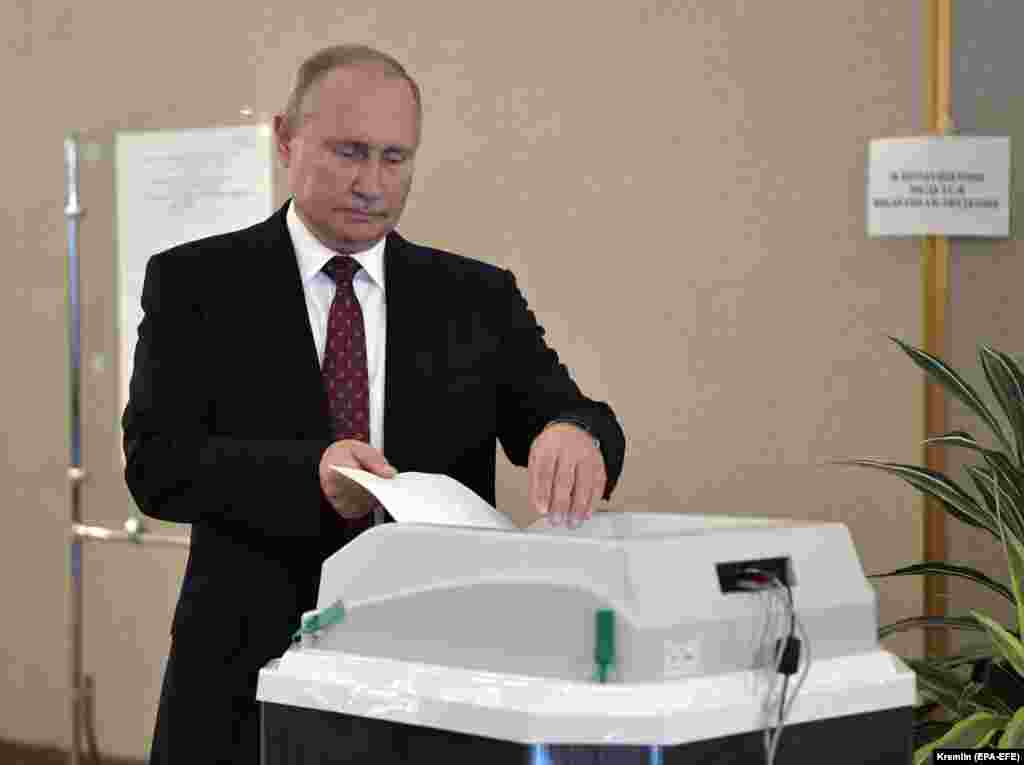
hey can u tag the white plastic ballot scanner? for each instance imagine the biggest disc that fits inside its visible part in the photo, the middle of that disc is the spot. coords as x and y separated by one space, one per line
640 637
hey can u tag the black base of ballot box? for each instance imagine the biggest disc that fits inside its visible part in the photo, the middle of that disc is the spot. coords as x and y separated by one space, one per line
298 736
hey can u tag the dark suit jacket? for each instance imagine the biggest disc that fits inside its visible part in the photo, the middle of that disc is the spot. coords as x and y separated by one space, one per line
227 421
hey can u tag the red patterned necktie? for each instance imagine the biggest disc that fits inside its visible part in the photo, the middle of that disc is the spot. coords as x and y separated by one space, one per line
344 369
346 381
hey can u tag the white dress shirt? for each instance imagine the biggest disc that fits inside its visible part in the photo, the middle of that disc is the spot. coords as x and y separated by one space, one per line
368 284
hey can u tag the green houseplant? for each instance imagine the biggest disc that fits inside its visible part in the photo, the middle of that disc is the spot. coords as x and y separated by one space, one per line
979 693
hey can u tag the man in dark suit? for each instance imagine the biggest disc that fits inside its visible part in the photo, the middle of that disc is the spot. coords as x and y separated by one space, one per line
260 363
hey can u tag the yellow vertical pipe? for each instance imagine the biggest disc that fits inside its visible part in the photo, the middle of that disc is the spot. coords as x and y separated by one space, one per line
935 296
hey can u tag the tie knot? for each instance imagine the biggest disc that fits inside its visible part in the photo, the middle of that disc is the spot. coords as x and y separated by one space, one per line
341 268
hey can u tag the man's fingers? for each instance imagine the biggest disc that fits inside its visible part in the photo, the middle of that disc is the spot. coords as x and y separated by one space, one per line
541 470
561 495
373 461
582 496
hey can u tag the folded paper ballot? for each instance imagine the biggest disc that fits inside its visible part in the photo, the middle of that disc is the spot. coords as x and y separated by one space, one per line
429 498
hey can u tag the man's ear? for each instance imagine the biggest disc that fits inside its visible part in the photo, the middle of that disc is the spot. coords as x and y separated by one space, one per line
282 139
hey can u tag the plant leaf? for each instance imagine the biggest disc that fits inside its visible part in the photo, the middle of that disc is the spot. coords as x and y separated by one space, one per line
959 438
987 697
950 569
955 692
986 740
1013 737
968 655
1007 382
1006 488
1007 472
965 734
947 377
930 622
956 501
987 485
1009 645
1010 479
943 685
1015 560
1006 479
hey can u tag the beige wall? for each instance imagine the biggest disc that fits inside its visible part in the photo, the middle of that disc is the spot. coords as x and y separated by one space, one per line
679 187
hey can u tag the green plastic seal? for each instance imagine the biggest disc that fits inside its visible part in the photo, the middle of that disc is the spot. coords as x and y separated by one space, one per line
604 643
319 620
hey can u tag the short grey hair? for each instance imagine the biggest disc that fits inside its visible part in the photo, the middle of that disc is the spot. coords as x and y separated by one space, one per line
317 66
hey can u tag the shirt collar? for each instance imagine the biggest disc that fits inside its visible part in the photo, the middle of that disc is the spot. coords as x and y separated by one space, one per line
313 255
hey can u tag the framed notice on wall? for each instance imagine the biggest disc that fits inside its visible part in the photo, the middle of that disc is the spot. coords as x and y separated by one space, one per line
174 186
939 186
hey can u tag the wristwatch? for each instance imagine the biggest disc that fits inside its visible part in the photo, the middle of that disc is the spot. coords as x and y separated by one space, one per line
581 425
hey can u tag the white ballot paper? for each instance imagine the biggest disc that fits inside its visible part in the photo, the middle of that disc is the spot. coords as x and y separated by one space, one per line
429 498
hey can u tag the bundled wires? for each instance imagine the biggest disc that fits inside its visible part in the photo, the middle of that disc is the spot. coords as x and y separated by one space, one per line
787 651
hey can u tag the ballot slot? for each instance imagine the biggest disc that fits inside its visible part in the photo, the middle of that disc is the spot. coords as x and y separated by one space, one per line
736 576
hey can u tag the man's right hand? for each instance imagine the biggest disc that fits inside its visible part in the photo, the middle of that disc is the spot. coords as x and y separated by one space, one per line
348 498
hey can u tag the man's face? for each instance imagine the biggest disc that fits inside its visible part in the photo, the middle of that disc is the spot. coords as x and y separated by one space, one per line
350 160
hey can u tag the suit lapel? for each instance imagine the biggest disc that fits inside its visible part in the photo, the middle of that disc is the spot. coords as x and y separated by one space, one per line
276 287
409 280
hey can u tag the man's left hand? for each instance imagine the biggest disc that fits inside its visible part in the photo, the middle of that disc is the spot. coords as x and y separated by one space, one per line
566 473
